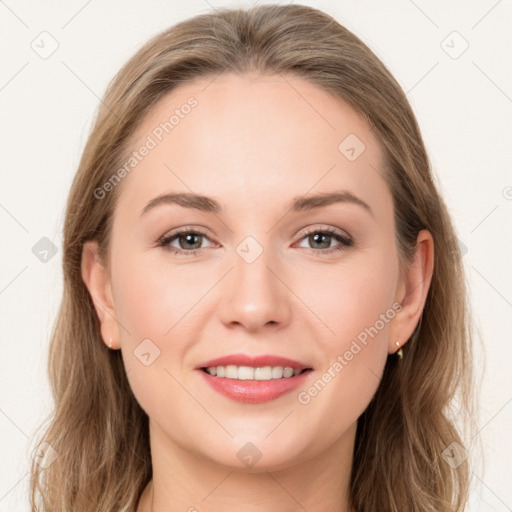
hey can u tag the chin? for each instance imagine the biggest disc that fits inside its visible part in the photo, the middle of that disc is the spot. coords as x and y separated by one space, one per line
255 454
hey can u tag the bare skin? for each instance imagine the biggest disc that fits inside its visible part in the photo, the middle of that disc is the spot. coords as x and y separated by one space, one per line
253 144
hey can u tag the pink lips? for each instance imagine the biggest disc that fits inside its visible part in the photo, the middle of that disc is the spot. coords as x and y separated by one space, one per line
254 391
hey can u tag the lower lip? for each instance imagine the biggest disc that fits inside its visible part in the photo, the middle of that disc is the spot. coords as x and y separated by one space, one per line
254 391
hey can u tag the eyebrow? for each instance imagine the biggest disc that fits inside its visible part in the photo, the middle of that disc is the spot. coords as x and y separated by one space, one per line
298 204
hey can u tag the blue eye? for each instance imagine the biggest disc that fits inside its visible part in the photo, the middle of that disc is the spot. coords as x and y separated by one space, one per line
190 241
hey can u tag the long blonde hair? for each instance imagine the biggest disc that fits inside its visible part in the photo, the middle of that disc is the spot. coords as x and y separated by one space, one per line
99 431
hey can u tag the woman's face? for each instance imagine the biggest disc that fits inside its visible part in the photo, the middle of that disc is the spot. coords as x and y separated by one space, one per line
316 283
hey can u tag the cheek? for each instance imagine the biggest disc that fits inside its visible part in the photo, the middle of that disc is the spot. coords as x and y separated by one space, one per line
354 304
350 298
152 298
151 307
152 301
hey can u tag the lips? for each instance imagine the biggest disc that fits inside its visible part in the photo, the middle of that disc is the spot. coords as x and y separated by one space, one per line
255 391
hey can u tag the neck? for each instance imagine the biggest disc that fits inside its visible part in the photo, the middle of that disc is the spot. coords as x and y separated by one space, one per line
184 481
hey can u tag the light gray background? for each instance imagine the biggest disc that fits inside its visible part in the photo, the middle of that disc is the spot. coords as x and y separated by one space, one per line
464 107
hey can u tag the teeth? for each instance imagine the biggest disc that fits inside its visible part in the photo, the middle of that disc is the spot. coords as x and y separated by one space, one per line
244 373
232 371
288 372
265 373
277 372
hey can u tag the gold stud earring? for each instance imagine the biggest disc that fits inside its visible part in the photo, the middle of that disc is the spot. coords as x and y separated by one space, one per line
399 351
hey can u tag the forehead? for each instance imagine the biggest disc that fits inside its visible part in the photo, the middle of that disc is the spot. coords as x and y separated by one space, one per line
253 138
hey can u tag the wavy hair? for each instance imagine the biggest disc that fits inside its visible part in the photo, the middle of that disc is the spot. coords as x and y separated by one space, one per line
99 431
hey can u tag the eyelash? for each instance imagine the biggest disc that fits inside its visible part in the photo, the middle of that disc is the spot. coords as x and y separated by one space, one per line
345 242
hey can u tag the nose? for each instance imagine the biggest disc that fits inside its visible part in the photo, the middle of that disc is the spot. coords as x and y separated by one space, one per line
255 295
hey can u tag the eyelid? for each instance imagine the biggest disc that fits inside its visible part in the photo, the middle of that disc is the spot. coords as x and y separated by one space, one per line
325 229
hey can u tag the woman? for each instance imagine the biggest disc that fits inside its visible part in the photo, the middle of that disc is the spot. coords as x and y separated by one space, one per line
248 367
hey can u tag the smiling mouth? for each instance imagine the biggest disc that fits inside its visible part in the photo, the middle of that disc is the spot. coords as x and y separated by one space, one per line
261 373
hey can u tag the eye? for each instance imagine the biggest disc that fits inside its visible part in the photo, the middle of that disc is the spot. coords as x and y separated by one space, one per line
324 237
189 241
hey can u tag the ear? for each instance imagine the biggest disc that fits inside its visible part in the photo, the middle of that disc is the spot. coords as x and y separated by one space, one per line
97 280
413 290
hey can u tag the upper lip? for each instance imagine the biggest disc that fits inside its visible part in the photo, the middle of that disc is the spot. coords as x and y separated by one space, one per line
254 361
